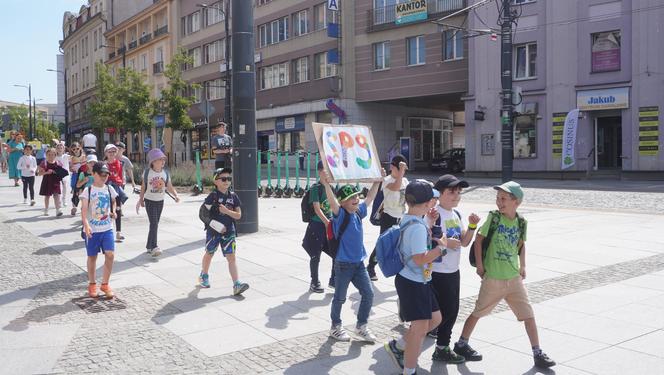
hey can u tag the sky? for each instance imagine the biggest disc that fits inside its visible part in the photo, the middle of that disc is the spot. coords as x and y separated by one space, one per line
29 35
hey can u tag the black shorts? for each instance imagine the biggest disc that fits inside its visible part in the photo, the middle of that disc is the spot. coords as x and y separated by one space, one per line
416 300
315 239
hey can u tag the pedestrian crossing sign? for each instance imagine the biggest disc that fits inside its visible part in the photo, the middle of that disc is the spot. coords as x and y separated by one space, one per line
333 5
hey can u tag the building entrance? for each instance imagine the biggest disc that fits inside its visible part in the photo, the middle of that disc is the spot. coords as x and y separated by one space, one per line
608 142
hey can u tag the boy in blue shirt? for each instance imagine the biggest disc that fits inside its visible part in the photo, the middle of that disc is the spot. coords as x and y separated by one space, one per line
349 267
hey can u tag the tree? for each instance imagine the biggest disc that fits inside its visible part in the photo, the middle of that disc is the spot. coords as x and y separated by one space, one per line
19 115
105 109
174 100
45 131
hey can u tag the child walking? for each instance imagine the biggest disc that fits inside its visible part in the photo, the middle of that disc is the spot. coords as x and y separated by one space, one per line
76 159
349 267
97 210
50 185
84 178
27 165
63 158
115 180
224 206
153 188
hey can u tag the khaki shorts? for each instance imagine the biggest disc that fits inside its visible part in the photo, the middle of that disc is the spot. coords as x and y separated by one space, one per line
492 291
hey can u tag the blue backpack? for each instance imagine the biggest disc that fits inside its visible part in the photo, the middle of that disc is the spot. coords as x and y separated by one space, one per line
388 253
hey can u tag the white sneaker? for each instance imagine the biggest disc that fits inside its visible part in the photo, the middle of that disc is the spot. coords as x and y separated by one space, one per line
339 333
25 201
64 203
32 203
366 334
58 213
155 252
45 211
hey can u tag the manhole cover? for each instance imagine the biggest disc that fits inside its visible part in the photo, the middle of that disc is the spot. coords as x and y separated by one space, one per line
97 305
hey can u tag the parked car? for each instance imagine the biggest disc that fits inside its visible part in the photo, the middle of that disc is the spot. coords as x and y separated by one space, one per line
452 160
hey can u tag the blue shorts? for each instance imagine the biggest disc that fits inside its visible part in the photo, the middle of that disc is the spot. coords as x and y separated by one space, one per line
99 243
214 239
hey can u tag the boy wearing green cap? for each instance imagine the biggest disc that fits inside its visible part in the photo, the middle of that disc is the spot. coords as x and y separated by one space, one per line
503 270
349 267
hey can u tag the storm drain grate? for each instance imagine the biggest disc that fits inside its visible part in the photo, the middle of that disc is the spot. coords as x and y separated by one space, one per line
97 305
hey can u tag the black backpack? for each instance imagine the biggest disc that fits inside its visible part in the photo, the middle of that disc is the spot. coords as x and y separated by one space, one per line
308 209
494 216
204 214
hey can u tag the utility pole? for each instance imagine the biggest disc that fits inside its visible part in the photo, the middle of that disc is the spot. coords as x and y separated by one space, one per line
30 112
507 129
244 114
227 83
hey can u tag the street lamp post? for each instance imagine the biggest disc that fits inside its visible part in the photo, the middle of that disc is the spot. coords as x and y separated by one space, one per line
29 87
64 73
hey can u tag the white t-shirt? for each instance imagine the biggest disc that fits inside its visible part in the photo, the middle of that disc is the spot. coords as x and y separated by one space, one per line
451 225
27 165
89 141
99 207
127 167
394 202
155 186
64 159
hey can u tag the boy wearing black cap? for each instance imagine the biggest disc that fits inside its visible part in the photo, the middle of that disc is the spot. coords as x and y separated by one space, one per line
349 267
417 299
446 220
315 237
394 203
97 212
224 206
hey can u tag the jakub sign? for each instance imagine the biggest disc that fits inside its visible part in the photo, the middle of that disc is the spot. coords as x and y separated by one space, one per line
348 152
569 138
411 11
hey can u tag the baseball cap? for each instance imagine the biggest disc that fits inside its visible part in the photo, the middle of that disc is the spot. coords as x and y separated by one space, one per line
398 158
220 171
347 191
110 146
436 193
512 188
91 158
449 181
121 145
100 167
418 192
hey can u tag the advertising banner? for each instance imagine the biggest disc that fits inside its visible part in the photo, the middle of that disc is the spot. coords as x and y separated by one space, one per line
411 11
649 131
569 138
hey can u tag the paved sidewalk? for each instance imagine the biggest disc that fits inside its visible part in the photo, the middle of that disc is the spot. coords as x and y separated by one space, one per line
596 278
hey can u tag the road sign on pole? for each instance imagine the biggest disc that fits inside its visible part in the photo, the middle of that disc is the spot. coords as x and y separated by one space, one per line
333 5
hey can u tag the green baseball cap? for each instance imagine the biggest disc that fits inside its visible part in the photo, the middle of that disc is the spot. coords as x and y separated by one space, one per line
347 191
512 188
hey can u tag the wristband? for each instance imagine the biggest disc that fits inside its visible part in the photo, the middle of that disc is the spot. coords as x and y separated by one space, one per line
472 226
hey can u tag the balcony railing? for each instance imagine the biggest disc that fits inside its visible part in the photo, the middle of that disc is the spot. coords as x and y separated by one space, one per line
158 67
111 55
161 31
387 15
145 38
133 44
122 50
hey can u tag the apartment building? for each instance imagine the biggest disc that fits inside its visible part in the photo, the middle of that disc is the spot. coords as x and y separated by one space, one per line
595 55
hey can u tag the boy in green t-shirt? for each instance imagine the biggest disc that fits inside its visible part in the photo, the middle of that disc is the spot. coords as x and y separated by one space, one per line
315 237
503 271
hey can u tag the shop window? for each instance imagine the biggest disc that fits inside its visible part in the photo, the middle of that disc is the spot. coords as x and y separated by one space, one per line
525 137
290 141
431 137
606 52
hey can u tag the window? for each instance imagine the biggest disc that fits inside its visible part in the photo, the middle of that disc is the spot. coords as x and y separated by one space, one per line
525 58
525 136
321 68
191 23
94 38
606 51
159 55
274 76
381 53
197 93
144 61
101 36
131 64
516 2
301 23
452 45
274 32
215 89
214 51
301 70
416 50
432 137
264 35
196 56
214 13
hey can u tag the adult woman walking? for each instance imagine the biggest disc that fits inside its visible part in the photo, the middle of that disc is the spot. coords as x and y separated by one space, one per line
15 152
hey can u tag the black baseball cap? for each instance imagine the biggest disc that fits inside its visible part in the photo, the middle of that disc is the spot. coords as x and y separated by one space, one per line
398 158
100 167
418 192
220 171
121 145
320 165
449 181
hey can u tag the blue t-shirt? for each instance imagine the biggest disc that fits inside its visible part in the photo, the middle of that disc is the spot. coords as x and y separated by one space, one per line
415 241
351 246
230 200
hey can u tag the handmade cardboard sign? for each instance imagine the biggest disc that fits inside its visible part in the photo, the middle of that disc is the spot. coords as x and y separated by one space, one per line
348 152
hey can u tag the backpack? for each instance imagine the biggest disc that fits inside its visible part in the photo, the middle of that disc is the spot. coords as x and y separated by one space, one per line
147 171
308 209
333 243
494 216
388 250
204 213
377 207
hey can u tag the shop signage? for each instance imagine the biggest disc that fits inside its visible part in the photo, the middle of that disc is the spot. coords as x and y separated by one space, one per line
596 100
557 135
411 11
289 124
649 131
569 138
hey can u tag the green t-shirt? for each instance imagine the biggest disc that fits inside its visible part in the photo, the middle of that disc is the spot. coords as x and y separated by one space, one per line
317 195
502 258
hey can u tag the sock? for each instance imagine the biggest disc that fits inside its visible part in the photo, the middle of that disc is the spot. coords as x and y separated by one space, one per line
462 341
442 347
537 350
401 344
237 283
408 371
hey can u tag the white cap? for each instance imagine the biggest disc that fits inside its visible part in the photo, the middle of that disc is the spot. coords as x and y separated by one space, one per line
110 146
91 158
217 226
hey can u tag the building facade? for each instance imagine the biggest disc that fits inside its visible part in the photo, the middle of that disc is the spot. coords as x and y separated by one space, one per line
594 55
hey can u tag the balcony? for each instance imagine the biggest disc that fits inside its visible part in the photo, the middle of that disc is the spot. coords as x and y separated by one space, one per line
111 55
158 67
133 44
122 50
161 31
385 17
145 38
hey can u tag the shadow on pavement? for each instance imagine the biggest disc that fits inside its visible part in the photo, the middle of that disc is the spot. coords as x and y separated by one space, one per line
325 351
164 315
279 316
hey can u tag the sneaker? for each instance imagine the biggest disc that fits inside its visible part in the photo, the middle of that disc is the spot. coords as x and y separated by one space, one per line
467 352
107 291
447 355
339 333
316 288
204 280
395 353
25 201
32 203
119 237
58 213
372 274
240 288
45 211
64 204
366 334
92 290
73 211
155 252
433 333
543 361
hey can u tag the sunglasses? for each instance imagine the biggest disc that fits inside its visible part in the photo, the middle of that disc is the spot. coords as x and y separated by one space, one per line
225 179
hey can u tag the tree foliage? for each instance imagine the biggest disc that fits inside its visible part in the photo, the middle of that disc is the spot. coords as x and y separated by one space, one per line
174 101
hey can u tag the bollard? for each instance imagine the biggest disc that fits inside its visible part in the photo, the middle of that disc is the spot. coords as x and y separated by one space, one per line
268 189
278 191
308 169
288 191
298 192
258 173
198 188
